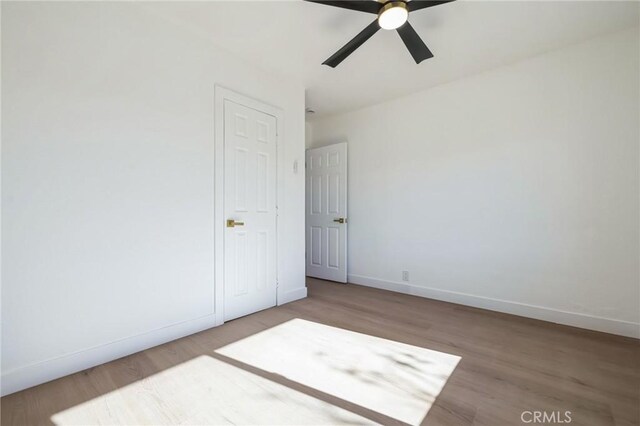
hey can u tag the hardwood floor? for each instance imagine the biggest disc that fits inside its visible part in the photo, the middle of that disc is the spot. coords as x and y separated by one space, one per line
508 364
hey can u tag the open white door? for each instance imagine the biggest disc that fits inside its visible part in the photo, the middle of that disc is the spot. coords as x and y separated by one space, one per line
326 206
250 281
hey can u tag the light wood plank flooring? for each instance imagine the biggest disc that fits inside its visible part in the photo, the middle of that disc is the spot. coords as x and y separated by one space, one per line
509 364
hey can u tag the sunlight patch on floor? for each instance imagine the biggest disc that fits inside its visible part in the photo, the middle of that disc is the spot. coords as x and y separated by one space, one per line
205 391
395 379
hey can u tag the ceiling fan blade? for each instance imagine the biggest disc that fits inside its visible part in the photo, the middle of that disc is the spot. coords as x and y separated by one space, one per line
414 43
369 6
421 4
355 42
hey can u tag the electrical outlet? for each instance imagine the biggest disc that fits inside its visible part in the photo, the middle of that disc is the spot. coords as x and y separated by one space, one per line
405 275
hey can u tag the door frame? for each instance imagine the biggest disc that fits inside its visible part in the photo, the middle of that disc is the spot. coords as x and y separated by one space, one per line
222 94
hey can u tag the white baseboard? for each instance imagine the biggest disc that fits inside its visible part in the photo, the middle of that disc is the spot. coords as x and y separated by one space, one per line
607 325
44 371
292 295
31 375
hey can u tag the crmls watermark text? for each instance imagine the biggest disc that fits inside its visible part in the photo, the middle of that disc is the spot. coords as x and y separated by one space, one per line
548 417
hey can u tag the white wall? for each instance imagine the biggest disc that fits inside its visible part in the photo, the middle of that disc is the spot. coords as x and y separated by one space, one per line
107 183
515 190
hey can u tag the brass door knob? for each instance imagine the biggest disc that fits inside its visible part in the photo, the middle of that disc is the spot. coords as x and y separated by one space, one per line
231 223
340 220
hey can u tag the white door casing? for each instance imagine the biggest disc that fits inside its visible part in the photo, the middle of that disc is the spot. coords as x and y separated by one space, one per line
326 212
250 249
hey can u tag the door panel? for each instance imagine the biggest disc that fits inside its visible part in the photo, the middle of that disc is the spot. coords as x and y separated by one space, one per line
326 202
250 200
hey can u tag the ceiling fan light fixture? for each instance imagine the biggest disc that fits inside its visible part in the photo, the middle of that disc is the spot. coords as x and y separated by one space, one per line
393 15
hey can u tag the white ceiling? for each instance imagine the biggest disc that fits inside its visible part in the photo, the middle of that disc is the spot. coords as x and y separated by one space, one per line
293 38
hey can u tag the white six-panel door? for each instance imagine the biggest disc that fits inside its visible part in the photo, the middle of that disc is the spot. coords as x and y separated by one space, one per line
326 207
250 281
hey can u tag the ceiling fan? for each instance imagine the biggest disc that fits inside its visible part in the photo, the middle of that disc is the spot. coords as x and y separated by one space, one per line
392 15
